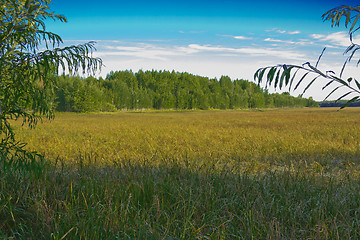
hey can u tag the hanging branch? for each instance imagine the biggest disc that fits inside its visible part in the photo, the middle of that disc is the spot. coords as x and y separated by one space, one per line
280 75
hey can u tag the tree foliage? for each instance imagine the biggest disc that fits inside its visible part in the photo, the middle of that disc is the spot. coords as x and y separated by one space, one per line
285 74
26 71
164 90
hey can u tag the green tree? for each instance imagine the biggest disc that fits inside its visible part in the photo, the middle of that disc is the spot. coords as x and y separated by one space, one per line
26 72
281 75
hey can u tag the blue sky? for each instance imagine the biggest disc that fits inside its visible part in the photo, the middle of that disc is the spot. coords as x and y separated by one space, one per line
208 38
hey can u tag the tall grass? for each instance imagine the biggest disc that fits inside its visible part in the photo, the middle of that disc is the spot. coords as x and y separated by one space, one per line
279 174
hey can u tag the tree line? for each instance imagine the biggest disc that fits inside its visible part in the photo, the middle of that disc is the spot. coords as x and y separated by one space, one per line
126 90
339 103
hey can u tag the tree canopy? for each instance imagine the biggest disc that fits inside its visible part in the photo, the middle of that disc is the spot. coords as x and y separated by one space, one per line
164 90
26 70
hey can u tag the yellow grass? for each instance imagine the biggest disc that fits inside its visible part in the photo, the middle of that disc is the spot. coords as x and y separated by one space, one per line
322 139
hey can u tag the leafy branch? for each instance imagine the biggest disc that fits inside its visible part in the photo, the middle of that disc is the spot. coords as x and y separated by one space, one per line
26 71
282 75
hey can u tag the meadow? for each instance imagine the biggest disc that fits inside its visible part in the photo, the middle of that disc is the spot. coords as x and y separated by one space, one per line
234 174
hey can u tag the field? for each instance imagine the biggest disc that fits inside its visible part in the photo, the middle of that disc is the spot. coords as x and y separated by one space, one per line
241 174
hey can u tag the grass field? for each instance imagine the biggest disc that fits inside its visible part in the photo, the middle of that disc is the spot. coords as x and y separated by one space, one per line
269 174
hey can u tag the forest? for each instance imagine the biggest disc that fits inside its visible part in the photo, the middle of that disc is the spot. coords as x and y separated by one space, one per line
338 103
126 90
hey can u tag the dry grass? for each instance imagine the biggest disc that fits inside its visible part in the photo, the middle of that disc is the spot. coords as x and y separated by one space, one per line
272 174
273 137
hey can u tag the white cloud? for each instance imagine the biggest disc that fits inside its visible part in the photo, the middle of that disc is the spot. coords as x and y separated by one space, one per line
191 32
126 48
242 37
285 54
294 32
236 37
147 51
339 39
278 41
299 42
283 31
166 52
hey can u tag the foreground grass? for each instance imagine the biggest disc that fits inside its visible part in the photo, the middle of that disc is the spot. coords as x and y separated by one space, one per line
284 174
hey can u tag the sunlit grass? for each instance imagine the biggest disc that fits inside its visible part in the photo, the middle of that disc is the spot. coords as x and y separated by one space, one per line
272 174
233 138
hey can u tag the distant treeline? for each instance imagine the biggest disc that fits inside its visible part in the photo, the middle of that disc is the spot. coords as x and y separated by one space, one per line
338 103
164 90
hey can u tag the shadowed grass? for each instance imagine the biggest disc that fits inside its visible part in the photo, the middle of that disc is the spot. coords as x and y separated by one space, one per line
139 202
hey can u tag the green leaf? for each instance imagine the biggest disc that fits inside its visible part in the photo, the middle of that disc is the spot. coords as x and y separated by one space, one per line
281 79
357 84
277 76
349 102
261 74
256 74
288 73
292 79
328 84
307 87
270 75
301 79
334 90
346 94
354 23
316 70
340 80
317 63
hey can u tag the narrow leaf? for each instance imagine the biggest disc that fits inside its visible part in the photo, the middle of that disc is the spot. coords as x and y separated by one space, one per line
354 23
349 102
317 63
344 95
261 74
281 79
328 84
301 79
270 74
332 92
307 87
277 76
343 67
357 84
287 77
292 79
340 80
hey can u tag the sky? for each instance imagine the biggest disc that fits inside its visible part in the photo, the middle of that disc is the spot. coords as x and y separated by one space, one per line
208 38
